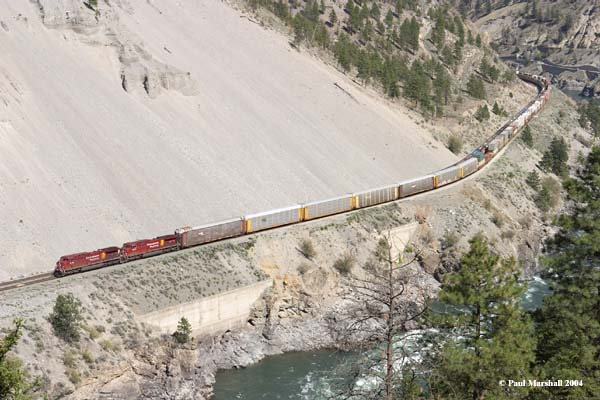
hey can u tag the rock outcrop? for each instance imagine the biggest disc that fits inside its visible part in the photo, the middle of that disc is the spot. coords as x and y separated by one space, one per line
100 25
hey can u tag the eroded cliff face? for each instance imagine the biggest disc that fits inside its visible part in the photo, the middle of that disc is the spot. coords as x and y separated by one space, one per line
100 25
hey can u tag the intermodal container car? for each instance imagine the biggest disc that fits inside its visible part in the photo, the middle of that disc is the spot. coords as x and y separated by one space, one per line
376 196
192 236
322 208
273 218
469 166
415 186
447 176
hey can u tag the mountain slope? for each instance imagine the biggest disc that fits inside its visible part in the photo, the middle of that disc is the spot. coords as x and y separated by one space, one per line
141 118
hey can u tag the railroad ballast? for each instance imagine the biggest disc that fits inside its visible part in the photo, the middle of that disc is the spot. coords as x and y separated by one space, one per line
193 236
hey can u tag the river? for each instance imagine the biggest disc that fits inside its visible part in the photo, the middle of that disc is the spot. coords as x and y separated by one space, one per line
309 375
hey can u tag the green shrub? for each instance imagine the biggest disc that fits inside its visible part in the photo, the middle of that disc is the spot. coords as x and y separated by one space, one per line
455 144
482 113
449 239
91 331
87 356
108 345
69 359
344 264
73 375
307 249
548 194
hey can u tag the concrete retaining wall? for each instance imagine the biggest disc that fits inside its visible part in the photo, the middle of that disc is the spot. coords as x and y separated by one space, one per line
210 315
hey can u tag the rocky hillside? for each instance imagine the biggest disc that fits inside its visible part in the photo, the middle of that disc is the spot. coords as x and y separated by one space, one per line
119 357
566 33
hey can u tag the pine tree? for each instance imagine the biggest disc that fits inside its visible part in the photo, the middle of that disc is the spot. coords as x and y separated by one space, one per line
569 320
183 332
527 137
496 336
496 109
14 380
389 19
475 87
417 86
533 180
441 84
556 157
66 317
375 12
482 113
438 33
343 51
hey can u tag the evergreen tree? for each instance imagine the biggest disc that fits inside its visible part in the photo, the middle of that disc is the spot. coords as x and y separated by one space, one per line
184 330
478 40
375 12
14 380
569 320
438 33
441 84
590 116
533 180
460 31
496 109
496 336
448 56
389 19
344 52
66 317
482 113
409 34
417 86
556 157
475 87
470 37
527 137
547 197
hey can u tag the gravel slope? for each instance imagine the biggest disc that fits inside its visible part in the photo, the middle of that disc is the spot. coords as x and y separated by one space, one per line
256 125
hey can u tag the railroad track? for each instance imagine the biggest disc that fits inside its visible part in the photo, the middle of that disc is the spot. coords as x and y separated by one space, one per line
30 280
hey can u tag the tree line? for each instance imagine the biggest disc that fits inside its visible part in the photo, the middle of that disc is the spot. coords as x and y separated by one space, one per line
382 58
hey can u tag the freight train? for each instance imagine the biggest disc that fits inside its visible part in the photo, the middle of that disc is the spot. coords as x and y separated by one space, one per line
194 236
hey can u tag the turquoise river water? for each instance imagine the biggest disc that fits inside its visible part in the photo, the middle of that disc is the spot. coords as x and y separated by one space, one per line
309 375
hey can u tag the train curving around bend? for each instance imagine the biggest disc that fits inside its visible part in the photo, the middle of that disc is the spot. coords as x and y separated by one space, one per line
193 236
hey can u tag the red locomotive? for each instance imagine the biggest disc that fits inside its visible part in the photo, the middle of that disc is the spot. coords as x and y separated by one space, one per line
148 247
80 262
86 261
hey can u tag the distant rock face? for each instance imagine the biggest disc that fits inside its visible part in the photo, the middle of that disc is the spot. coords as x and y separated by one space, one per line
140 72
566 32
